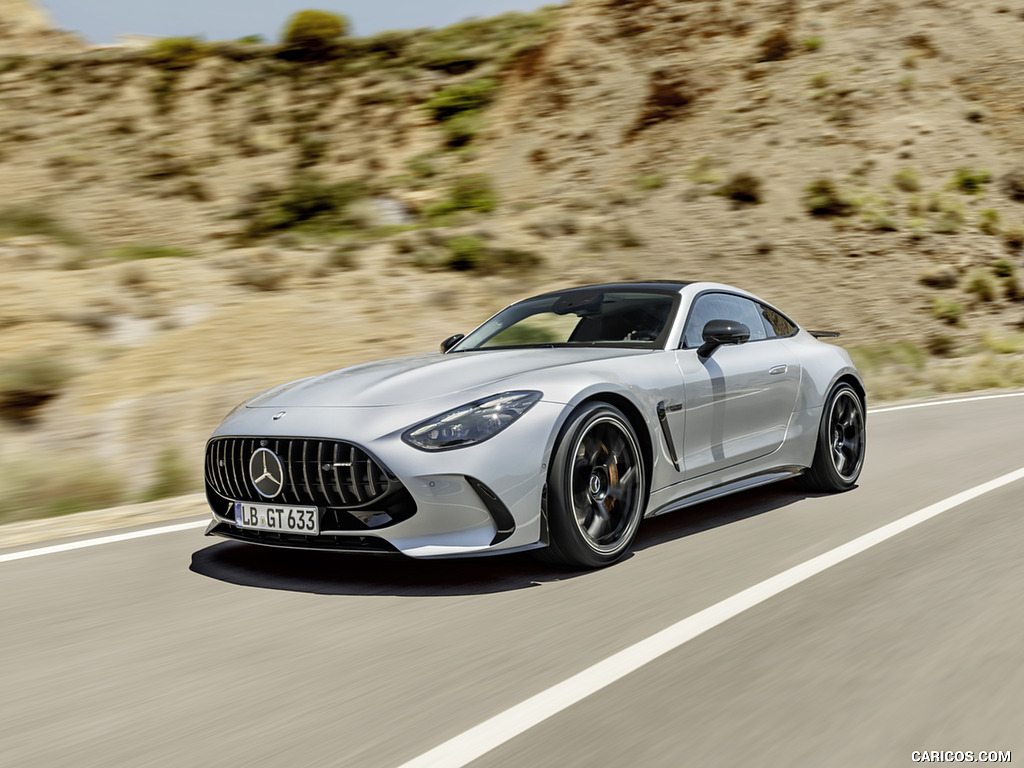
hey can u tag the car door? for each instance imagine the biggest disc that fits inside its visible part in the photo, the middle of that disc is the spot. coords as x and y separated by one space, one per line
739 400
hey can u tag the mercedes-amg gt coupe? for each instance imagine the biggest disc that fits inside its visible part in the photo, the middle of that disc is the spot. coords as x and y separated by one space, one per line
557 425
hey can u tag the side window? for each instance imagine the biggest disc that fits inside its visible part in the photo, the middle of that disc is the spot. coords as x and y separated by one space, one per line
722 306
777 325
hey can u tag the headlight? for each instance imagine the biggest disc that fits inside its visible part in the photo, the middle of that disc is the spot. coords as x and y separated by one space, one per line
471 423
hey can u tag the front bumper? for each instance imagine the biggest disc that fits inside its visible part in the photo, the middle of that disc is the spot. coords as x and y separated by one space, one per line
480 499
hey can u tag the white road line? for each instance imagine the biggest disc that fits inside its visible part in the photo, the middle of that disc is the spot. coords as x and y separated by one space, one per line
501 728
103 540
943 402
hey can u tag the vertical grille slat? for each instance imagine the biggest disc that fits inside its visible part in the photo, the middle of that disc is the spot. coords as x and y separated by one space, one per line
305 469
233 465
289 468
338 487
345 476
321 486
353 474
369 477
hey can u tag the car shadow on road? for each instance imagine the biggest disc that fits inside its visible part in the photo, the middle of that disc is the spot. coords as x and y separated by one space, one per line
714 514
338 573
330 573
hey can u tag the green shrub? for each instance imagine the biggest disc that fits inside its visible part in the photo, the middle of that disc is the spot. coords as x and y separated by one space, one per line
941 345
907 179
742 187
812 44
880 221
314 34
969 181
467 253
18 220
823 198
474 43
982 285
309 202
821 80
946 224
137 251
462 129
462 97
468 193
648 182
947 311
459 108
988 221
422 166
28 382
951 214
1012 236
704 172
1003 268
176 53
776 45
1011 344
1013 184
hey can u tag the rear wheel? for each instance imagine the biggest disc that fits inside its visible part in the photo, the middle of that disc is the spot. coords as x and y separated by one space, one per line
597 489
842 439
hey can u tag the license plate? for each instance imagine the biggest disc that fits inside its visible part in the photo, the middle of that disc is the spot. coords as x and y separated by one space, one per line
264 517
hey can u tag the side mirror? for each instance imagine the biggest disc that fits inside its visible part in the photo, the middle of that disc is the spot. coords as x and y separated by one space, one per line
451 341
719 332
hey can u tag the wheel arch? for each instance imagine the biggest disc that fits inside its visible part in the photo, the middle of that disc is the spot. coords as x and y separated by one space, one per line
857 384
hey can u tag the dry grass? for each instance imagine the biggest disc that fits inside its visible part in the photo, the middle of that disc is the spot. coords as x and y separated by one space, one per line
905 371
57 484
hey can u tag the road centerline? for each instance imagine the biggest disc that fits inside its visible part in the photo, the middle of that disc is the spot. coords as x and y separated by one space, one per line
503 727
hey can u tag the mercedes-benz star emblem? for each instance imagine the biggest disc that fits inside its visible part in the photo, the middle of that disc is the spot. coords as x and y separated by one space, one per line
266 473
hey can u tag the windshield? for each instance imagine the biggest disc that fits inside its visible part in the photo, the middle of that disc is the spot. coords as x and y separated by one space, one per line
582 317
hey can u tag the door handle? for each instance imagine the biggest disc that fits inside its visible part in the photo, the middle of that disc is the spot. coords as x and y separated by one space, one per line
778 369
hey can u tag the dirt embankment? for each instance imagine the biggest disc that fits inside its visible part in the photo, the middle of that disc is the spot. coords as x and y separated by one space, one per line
187 225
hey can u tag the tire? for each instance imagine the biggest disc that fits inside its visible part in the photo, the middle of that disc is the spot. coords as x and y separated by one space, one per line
842 439
597 489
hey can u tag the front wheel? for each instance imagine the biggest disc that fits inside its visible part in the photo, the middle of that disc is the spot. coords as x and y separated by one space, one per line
842 438
597 489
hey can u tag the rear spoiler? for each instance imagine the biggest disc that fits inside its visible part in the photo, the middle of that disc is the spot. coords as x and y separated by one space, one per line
824 334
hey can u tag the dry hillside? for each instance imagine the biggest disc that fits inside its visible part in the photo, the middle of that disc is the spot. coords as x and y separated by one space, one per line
185 225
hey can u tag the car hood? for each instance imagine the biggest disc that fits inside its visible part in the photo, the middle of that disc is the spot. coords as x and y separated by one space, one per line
406 380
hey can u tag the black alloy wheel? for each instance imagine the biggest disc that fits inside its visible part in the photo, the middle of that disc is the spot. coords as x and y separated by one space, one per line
597 488
842 439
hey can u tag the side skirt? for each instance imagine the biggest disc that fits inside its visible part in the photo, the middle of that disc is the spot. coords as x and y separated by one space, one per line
728 489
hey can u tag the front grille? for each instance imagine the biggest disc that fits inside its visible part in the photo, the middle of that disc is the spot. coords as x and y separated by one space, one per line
321 473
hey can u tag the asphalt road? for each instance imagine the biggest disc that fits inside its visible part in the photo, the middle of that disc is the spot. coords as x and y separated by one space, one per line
177 650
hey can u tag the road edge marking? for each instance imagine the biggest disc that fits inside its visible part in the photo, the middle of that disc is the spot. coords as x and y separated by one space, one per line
492 733
931 403
54 549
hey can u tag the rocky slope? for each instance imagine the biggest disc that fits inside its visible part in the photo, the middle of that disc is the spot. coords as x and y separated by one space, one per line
859 163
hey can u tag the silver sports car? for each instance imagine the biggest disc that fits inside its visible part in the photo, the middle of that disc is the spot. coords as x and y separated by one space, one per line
557 425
